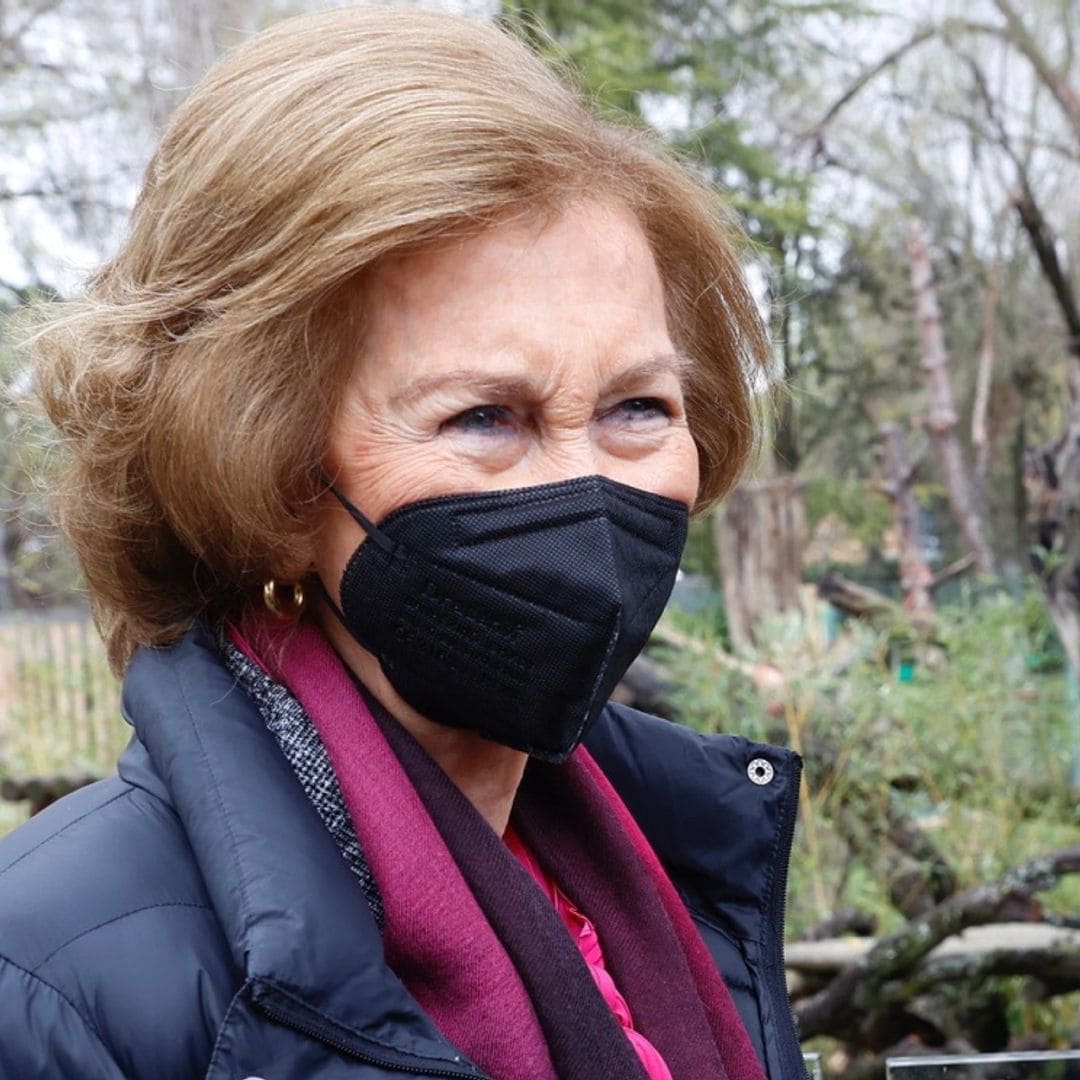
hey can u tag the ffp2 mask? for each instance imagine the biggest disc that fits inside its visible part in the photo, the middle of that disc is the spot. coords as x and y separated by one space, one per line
514 613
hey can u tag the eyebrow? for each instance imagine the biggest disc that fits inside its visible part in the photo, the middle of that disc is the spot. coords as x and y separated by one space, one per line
675 363
502 387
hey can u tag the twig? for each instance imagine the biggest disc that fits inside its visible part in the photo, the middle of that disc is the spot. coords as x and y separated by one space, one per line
954 569
764 676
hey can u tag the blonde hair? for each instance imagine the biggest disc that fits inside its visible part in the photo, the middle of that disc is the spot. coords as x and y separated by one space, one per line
194 382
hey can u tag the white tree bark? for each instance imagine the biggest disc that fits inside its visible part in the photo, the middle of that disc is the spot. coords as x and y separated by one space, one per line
980 437
941 417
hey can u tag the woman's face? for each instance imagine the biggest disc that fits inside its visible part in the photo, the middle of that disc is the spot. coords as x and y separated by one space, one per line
533 352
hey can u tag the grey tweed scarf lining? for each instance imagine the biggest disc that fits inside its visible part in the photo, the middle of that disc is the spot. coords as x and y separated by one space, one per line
299 741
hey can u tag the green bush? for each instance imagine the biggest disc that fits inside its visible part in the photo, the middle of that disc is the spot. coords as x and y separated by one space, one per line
972 739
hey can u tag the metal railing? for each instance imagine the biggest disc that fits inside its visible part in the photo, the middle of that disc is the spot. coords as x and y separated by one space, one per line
59 704
1030 1065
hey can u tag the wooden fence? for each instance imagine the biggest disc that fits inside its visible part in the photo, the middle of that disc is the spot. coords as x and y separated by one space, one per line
59 704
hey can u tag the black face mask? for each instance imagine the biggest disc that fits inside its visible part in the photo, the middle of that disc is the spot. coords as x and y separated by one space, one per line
514 613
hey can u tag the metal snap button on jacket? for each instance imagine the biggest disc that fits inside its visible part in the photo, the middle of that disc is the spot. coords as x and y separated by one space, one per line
760 771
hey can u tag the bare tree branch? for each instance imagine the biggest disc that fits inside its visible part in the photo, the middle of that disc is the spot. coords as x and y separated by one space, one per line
1017 33
954 569
1033 220
1042 240
1014 33
862 81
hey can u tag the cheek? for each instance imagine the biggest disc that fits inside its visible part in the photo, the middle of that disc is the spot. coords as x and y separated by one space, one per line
337 538
684 469
670 470
379 460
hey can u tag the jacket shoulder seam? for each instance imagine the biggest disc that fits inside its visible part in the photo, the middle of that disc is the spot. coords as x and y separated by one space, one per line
90 1026
128 789
118 918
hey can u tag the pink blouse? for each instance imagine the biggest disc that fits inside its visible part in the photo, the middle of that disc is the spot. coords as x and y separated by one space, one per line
585 937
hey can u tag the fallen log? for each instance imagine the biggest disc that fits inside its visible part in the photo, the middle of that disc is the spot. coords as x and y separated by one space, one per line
859 991
645 686
833 955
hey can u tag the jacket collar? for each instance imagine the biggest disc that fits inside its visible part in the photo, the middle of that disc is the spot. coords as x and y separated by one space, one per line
297 922
719 811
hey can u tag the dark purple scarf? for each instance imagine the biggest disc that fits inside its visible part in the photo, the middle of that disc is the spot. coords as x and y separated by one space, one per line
569 823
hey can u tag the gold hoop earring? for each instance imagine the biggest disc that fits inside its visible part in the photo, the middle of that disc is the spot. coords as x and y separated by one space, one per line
284 599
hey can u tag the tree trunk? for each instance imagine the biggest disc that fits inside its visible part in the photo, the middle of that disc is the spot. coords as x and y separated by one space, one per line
916 577
6 592
1052 481
980 438
1052 475
941 419
785 442
760 536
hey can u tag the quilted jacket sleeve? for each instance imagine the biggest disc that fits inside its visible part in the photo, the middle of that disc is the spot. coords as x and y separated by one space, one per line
42 1036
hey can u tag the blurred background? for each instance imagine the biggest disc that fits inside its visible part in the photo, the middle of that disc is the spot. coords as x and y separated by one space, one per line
895 590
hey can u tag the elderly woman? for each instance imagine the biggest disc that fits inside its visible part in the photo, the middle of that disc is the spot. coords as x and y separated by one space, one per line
383 431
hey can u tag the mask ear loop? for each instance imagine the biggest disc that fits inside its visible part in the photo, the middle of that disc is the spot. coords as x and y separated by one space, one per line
332 603
378 537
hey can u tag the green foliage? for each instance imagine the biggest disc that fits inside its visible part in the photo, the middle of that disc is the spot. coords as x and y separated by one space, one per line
699 556
608 46
865 512
1055 1018
679 65
976 748
34 565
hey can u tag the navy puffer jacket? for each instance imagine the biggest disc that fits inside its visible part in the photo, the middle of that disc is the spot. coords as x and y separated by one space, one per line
192 917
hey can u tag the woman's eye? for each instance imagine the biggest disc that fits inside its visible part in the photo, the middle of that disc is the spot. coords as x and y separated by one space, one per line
482 420
644 408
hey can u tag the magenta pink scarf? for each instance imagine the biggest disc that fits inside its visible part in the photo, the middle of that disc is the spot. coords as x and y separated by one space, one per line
437 938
